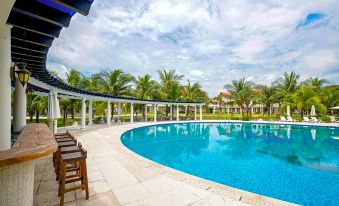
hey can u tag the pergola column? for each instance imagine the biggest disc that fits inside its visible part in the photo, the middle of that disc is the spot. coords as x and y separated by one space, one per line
171 112
83 113
108 113
145 113
200 112
90 112
195 112
5 80
155 112
132 114
119 112
20 106
177 113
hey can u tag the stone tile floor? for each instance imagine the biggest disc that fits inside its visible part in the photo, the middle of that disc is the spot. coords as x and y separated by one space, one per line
118 176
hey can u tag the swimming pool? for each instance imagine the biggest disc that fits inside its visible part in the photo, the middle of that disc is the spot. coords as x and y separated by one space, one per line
295 163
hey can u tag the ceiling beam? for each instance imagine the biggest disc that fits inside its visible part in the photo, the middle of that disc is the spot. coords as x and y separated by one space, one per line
29 23
80 6
29 60
43 12
29 46
26 56
28 53
31 37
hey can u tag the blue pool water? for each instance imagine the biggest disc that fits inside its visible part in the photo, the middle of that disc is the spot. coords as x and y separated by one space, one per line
299 164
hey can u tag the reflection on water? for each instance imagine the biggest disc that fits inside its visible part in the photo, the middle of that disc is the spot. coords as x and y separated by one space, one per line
262 158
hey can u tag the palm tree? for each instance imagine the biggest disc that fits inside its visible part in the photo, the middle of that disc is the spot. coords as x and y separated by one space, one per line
193 93
115 82
285 87
64 104
305 97
146 88
266 96
316 82
73 78
169 82
241 93
39 103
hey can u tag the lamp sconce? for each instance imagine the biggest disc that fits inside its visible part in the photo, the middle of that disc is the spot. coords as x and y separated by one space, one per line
22 73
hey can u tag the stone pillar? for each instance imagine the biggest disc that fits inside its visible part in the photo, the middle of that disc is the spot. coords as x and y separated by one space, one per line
90 112
178 113
19 110
132 114
119 112
108 113
83 113
145 113
155 112
195 112
171 112
5 80
17 184
200 112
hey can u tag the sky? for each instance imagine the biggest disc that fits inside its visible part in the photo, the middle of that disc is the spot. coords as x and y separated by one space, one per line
210 42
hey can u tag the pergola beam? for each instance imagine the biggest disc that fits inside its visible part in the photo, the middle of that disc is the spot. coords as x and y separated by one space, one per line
42 12
31 37
28 23
80 6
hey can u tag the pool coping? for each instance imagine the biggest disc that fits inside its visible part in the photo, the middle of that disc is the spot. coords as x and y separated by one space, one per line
198 182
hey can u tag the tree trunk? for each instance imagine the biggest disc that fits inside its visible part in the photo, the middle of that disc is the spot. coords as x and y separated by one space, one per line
166 110
65 116
72 108
37 114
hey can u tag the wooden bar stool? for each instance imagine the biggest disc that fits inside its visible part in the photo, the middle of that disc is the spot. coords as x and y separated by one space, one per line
58 154
62 134
79 176
66 150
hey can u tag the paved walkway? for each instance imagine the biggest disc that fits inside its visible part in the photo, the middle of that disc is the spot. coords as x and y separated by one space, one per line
118 176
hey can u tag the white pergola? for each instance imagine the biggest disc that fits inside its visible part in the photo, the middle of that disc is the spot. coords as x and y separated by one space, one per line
90 98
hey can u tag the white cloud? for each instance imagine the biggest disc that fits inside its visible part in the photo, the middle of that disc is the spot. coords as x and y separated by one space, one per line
224 39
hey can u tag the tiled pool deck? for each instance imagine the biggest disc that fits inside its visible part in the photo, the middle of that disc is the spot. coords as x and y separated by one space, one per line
118 176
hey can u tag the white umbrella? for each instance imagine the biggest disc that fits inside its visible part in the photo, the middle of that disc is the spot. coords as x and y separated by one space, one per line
288 111
313 111
53 110
337 107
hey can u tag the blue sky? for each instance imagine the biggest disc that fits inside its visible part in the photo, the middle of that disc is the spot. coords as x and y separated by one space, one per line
210 42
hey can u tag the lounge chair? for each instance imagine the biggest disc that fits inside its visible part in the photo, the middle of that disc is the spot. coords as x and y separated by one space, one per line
315 120
289 119
283 119
306 119
332 119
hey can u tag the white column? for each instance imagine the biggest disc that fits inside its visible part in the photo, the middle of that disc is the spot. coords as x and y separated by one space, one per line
108 113
83 113
155 112
90 112
132 114
228 109
195 112
178 113
5 80
119 112
252 109
145 113
200 112
171 112
19 110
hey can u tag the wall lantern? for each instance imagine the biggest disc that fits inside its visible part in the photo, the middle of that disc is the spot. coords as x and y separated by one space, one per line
23 73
